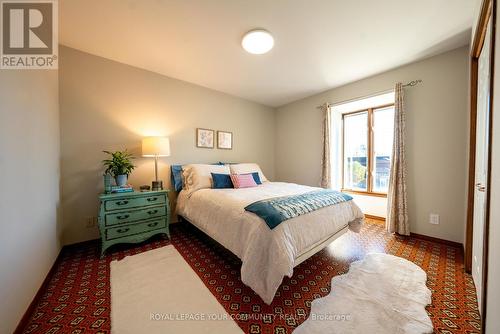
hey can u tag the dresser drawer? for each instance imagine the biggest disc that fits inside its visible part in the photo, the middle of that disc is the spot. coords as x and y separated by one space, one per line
123 217
132 229
134 202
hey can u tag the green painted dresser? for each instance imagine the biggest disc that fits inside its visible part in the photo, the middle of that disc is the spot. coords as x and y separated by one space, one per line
132 217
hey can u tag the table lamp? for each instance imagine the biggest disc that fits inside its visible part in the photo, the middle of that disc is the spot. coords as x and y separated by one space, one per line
156 147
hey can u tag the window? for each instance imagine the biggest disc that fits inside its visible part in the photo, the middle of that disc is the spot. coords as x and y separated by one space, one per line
356 151
367 148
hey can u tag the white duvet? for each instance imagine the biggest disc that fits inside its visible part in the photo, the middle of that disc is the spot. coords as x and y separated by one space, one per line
267 255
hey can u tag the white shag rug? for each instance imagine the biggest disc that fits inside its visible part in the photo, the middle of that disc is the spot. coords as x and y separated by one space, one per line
380 294
158 292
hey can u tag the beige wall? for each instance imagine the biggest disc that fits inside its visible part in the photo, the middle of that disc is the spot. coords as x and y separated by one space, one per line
436 138
106 105
29 193
372 205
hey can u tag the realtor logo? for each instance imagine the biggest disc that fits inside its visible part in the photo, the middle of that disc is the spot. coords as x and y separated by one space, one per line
29 34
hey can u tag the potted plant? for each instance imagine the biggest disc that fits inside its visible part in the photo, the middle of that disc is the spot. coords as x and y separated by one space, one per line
119 166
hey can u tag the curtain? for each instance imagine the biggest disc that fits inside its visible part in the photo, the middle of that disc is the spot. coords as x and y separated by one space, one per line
397 204
326 178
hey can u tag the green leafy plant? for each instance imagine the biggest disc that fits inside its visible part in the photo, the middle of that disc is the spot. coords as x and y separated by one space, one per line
120 163
359 172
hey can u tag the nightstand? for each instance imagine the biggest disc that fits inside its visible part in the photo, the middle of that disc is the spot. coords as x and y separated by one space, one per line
132 217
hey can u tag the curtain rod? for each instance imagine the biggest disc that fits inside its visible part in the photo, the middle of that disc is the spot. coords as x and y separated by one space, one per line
413 83
409 84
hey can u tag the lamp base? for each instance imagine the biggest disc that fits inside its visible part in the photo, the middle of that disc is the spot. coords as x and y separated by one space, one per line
157 185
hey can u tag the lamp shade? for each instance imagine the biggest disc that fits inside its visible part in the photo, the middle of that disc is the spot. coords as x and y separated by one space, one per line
155 147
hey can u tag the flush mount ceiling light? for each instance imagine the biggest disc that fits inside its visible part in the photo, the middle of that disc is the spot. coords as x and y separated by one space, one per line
258 41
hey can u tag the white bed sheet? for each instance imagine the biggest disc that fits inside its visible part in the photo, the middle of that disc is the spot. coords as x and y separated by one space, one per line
267 255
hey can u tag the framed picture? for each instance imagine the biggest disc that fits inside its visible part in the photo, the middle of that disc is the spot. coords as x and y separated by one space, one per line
225 140
205 138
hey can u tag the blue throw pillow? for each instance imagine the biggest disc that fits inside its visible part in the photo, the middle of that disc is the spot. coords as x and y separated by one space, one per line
176 177
256 177
221 181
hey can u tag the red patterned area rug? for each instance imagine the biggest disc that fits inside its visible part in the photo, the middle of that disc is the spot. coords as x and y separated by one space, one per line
77 299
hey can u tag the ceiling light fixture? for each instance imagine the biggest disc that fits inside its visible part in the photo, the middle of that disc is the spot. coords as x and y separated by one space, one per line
258 41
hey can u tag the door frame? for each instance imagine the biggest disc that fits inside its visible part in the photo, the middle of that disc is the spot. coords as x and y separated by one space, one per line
488 10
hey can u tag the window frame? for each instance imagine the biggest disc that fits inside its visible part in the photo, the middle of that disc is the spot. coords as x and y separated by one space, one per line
370 156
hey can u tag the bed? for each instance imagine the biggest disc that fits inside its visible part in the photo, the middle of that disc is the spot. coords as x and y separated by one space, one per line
267 255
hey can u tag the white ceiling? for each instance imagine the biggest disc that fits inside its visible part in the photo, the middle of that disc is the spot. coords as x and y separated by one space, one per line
319 44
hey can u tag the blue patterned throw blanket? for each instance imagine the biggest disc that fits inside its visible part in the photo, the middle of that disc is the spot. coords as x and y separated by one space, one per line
274 211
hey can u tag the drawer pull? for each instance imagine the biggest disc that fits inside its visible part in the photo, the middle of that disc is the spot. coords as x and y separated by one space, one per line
152 212
153 224
123 230
121 202
152 199
123 217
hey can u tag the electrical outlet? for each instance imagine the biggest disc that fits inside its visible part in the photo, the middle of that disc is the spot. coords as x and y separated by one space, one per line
91 222
434 219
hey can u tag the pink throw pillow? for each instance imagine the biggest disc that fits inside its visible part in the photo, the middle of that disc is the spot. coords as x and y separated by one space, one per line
243 180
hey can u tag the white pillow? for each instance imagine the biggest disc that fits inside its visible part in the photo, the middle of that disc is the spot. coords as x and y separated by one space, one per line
247 168
198 176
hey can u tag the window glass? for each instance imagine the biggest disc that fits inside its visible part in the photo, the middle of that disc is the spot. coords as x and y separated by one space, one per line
356 151
383 134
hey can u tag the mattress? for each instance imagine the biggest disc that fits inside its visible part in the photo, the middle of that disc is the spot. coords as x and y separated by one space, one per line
267 255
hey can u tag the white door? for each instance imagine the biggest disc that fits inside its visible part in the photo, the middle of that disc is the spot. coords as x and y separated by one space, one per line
481 171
